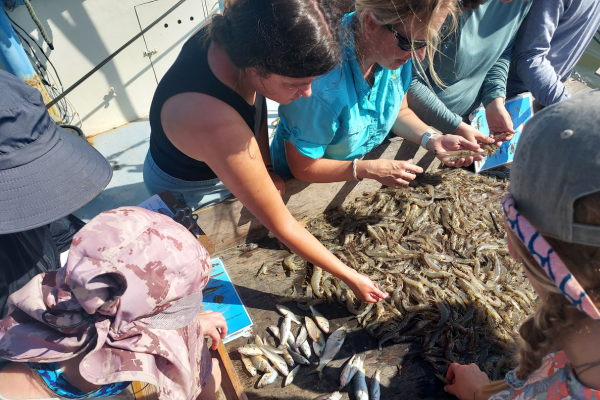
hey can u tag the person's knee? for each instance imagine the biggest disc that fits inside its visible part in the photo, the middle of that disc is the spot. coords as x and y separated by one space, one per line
216 373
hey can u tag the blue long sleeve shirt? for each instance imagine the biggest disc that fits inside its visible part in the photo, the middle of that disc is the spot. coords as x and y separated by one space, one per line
472 62
549 43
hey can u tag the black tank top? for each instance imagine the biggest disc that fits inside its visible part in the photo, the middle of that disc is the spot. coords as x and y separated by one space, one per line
191 73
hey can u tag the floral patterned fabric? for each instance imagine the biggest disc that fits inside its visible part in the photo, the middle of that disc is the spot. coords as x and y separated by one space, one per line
554 380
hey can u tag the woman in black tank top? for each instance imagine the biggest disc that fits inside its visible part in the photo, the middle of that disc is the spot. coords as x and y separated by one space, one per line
209 134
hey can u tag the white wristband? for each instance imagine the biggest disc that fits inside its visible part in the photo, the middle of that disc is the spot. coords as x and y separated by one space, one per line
426 136
354 170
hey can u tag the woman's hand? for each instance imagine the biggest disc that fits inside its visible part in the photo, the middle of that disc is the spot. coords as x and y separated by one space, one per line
445 143
499 121
364 288
214 325
391 173
465 381
278 182
472 134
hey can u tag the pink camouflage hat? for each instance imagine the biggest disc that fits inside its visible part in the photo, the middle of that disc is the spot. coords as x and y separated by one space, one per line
128 297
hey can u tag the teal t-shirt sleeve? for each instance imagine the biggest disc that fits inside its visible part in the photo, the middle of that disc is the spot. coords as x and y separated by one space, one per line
429 108
309 125
494 84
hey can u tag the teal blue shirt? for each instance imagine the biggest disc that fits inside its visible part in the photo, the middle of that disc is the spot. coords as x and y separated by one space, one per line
473 62
345 118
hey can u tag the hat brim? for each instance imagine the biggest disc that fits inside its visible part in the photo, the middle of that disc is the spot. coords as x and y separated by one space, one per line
63 180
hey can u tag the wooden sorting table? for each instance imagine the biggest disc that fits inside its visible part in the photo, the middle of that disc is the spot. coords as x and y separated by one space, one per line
229 224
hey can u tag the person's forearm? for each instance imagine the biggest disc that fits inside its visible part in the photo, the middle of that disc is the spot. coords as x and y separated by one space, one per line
325 171
301 242
410 127
263 143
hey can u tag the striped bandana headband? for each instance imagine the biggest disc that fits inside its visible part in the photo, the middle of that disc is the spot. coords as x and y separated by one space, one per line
547 258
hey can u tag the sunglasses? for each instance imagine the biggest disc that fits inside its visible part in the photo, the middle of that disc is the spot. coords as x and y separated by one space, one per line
407 44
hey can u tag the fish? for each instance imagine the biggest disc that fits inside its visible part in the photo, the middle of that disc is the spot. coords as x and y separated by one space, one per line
258 341
305 348
374 386
249 366
361 392
291 342
278 362
329 396
348 372
291 376
267 379
320 319
285 311
332 347
302 335
289 360
261 364
298 358
250 350
316 335
285 330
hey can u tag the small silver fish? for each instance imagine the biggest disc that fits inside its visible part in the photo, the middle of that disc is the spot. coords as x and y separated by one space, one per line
316 335
291 376
277 361
291 342
272 349
250 350
249 366
348 372
258 341
285 329
321 320
361 392
374 386
305 348
267 379
285 311
298 358
261 364
289 360
302 336
329 396
332 347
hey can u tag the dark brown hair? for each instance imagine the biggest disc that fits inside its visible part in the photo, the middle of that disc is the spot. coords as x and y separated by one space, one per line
294 38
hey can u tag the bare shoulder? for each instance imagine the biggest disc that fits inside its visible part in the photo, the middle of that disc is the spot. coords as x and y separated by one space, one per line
196 122
18 381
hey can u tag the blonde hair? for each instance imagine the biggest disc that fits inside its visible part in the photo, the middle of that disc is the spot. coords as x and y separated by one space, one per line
543 331
402 11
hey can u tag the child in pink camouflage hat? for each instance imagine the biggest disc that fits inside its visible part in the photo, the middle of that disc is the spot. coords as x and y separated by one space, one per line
126 307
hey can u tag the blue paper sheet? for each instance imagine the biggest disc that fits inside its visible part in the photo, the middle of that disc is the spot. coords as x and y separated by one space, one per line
520 109
221 296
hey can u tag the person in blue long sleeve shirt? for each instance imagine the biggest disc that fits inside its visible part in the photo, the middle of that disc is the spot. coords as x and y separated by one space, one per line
549 44
473 63
352 109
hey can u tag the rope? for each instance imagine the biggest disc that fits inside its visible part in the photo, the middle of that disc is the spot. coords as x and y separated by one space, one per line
39 24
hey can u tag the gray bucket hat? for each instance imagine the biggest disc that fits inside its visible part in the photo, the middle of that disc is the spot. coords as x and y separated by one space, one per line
45 172
557 162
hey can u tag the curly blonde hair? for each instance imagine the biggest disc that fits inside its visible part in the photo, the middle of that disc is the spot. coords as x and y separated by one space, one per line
409 11
542 332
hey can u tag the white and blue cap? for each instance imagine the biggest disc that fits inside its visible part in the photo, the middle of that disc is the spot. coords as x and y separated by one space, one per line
556 163
46 172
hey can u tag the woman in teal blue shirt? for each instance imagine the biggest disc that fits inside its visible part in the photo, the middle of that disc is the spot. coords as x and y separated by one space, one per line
353 108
